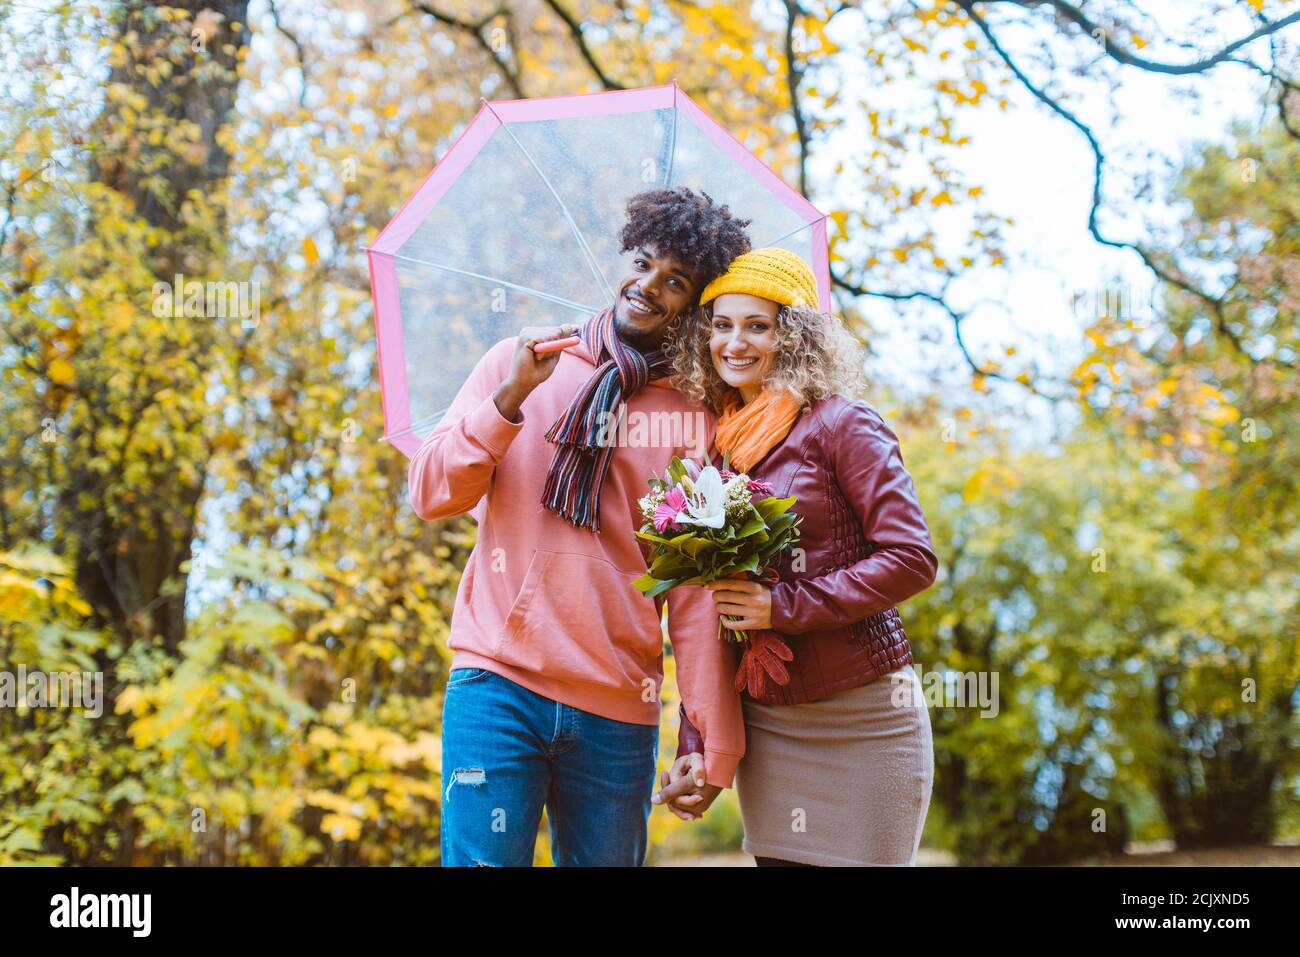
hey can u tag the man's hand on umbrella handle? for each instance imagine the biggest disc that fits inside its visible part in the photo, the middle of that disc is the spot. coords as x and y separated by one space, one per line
528 370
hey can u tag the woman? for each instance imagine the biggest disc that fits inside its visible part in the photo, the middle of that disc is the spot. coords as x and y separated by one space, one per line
838 763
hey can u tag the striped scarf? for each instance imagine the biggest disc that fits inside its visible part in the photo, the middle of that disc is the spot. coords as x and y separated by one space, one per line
580 462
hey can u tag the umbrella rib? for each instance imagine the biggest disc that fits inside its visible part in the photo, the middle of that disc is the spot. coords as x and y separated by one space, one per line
797 229
415 426
494 281
672 139
582 243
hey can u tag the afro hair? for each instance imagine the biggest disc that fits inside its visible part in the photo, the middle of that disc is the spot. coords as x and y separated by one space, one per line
687 225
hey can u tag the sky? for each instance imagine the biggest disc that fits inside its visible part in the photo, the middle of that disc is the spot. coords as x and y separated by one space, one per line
1037 169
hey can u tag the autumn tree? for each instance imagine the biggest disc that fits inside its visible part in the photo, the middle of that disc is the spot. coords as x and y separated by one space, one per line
180 464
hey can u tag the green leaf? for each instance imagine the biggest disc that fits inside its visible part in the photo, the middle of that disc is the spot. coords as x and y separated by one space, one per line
747 564
652 585
697 547
651 537
676 469
671 565
770 508
645 583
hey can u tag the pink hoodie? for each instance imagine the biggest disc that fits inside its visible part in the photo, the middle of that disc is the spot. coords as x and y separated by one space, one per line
551 606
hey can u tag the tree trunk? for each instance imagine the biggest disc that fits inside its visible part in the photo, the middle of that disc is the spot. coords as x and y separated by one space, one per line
132 540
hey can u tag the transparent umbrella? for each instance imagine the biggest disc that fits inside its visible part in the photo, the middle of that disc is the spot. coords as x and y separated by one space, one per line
518 225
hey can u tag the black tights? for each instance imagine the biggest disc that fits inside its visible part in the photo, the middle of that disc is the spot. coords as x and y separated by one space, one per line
777 862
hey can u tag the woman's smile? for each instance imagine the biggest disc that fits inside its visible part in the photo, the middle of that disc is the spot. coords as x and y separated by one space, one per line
742 341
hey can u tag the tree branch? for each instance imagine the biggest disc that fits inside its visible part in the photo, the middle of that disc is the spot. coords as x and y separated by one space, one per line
575 29
475 30
794 76
298 49
1216 304
1121 55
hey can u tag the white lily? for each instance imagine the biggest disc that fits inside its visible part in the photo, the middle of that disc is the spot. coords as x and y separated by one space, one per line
706 499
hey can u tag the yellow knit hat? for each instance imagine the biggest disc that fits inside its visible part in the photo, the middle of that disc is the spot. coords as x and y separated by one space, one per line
769 273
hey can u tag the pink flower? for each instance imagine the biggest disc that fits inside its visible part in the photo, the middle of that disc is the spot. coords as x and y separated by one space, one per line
666 514
727 475
759 488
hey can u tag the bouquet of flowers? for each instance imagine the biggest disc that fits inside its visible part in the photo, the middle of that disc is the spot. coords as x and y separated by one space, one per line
706 524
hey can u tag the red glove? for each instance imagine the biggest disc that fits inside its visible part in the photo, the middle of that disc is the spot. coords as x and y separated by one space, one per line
763 657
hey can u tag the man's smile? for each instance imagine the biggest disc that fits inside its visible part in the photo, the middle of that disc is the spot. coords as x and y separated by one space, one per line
637 305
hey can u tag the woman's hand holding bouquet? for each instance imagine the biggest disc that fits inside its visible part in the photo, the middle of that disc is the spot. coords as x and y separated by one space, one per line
708 525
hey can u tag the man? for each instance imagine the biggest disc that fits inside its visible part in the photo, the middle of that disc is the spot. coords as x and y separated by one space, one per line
553 694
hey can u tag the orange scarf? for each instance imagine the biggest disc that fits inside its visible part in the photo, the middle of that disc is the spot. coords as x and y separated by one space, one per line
750 431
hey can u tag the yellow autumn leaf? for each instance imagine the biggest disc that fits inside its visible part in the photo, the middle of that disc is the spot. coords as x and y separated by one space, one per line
328 800
61 372
133 699
341 827
121 317
309 251
1223 414
222 732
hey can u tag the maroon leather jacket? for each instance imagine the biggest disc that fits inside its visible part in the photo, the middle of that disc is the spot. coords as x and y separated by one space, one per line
865 548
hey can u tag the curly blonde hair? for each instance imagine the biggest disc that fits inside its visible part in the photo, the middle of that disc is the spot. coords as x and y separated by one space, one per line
814 356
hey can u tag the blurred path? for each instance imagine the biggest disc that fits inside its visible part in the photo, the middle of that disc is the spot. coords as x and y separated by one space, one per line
1156 853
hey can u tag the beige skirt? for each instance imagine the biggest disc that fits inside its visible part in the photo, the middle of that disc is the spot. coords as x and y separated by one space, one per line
844 781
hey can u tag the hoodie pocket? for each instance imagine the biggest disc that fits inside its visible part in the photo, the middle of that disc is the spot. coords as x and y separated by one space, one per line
578 618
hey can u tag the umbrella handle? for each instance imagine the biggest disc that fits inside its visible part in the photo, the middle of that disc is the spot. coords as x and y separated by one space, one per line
555 345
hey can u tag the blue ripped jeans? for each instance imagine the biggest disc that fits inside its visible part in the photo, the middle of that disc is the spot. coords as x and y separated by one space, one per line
507 751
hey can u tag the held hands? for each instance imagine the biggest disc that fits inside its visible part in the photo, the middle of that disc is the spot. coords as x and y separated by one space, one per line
747 606
683 789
